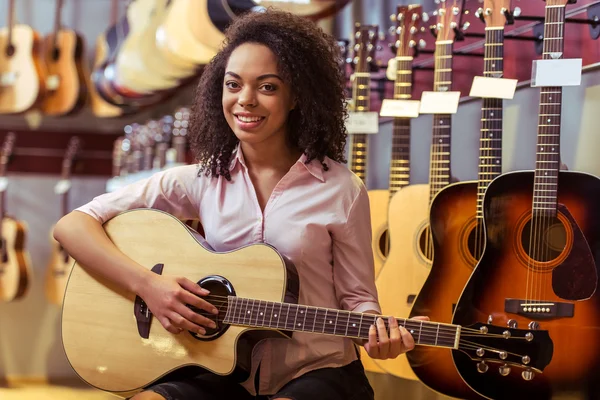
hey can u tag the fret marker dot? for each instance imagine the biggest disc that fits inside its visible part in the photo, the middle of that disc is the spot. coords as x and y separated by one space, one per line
491 135
248 312
331 322
261 313
298 324
491 114
275 315
497 161
549 120
546 173
553 149
441 122
412 331
541 148
440 140
301 312
494 65
550 98
354 325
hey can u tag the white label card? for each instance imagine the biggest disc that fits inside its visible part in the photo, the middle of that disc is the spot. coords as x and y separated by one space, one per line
3 183
563 72
400 108
392 68
439 102
62 186
362 122
495 88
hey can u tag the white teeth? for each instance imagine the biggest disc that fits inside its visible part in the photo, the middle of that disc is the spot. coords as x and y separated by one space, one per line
249 119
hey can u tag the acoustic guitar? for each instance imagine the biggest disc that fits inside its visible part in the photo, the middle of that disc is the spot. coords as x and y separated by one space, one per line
22 73
106 330
539 267
59 268
456 220
15 263
411 251
64 55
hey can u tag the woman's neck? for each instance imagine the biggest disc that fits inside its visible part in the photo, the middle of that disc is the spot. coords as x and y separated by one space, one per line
269 156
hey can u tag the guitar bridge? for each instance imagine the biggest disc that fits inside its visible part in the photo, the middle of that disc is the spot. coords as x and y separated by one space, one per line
539 310
143 315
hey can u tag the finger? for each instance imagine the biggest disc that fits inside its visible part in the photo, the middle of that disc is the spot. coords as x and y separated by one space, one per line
395 338
193 300
371 345
384 341
194 317
192 286
407 339
180 322
421 318
166 323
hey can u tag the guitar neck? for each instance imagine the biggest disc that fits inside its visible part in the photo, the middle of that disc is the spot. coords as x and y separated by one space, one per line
490 139
361 89
301 318
400 162
548 136
57 23
11 20
439 166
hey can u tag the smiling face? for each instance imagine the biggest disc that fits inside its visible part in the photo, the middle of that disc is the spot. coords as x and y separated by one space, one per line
256 100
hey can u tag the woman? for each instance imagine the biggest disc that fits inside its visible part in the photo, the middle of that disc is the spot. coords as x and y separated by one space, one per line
268 133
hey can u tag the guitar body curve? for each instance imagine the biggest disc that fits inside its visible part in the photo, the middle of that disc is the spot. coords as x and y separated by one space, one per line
100 107
406 267
57 272
26 89
16 271
98 320
453 221
504 273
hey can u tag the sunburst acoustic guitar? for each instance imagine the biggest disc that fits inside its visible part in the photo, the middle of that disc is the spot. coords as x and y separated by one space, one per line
64 55
539 268
409 260
456 220
106 329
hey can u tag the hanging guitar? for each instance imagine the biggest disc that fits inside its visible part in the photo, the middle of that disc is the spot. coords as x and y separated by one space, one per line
59 268
539 268
106 330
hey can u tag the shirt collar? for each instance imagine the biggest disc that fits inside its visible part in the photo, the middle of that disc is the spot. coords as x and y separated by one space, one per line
314 167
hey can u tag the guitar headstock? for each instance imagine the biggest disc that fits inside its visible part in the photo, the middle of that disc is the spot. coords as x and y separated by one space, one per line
525 349
7 150
559 3
448 19
494 12
365 45
408 21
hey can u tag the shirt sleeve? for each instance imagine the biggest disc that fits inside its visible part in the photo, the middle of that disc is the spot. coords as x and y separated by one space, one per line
167 190
353 263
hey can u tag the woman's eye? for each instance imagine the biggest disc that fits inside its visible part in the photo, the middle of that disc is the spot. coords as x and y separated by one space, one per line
231 85
268 87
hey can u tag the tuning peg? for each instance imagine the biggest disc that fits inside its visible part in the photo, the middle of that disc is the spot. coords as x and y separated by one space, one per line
528 374
393 17
479 14
425 17
504 370
466 26
422 43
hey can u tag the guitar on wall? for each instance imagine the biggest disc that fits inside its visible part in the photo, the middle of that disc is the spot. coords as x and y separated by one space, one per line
15 264
61 263
408 262
456 220
64 55
105 328
22 73
539 268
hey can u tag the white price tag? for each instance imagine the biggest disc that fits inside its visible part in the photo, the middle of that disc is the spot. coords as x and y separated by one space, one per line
362 122
62 186
495 88
563 72
3 183
400 108
8 79
52 82
392 69
439 102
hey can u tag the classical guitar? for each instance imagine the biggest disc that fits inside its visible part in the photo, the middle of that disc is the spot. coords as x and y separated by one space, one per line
59 267
106 330
15 263
22 72
539 267
411 251
64 55
456 220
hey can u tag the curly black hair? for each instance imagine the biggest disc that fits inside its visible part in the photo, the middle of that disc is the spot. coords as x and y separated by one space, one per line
308 61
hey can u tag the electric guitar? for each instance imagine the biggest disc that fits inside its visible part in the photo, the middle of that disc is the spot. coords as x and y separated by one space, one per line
64 55
22 73
539 268
456 220
106 329
59 268
15 263
409 260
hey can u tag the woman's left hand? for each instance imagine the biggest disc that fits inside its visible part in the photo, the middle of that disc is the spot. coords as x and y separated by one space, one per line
399 341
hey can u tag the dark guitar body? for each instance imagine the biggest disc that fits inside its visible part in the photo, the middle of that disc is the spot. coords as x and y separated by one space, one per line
452 220
505 271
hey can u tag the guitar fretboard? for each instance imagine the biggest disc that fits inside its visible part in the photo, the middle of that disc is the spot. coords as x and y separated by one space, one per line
548 138
439 166
293 317
400 161
361 89
490 139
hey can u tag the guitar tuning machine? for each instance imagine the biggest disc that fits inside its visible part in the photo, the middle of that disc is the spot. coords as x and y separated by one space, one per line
512 324
504 370
482 367
528 374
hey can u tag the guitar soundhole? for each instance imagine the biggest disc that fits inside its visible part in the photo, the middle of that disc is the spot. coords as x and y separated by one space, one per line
426 243
544 238
10 50
384 243
55 54
220 288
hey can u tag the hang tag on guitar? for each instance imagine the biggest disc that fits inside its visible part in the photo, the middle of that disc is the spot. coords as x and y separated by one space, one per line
556 73
439 102
392 69
494 88
3 184
62 186
400 108
362 122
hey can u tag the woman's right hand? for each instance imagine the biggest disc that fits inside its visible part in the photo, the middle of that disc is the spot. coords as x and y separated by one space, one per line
167 298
